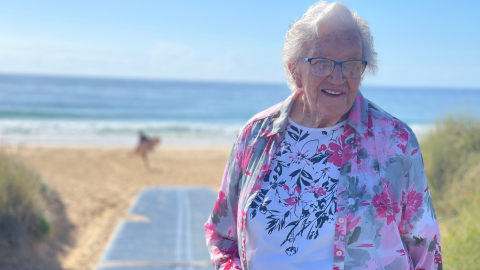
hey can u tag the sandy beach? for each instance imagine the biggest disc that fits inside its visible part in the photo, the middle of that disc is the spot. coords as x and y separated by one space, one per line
97 185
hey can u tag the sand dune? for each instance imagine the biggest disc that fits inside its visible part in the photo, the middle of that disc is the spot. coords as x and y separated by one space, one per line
98 184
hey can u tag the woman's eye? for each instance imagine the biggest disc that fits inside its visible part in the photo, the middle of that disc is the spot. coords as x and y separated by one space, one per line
321 63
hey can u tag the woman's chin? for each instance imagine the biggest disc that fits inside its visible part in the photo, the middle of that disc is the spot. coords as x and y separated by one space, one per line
332 110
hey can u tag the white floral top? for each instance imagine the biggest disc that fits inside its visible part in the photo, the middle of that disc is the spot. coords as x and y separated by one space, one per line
291 222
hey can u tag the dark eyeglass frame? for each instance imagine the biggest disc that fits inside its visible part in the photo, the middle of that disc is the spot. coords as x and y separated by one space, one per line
335 63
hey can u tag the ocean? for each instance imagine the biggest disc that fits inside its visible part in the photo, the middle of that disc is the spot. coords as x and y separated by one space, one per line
41 110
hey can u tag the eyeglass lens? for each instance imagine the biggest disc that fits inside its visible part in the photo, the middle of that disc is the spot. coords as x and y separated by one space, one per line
323 67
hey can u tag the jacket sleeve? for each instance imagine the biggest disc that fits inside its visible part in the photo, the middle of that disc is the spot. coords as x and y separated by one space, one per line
221 227
419 227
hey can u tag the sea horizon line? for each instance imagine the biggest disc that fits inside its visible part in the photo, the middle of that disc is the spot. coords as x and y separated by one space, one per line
214 82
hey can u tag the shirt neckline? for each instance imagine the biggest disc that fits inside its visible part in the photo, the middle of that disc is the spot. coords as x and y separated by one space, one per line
318 129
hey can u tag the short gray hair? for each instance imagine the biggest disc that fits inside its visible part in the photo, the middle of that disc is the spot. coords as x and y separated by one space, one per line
305 30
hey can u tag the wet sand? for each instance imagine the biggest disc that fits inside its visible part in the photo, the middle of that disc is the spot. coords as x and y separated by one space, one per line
97 186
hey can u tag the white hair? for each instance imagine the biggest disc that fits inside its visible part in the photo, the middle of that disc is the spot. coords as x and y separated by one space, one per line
331 16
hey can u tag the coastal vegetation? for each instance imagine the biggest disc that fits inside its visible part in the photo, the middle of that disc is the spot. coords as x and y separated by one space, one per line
24 201
451 153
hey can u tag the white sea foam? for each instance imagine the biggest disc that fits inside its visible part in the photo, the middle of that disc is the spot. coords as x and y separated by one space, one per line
422 131
112 133
117 133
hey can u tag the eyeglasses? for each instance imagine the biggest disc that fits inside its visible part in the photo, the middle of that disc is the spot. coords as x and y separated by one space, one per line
323 66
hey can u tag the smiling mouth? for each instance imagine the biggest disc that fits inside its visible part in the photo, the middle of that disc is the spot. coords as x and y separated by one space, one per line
333 92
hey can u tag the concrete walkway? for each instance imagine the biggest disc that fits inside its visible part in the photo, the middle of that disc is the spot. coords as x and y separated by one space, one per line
164 231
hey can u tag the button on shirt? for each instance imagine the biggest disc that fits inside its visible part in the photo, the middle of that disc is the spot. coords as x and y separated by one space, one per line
291 222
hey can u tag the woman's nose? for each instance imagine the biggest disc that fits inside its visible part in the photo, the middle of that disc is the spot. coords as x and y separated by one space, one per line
336 77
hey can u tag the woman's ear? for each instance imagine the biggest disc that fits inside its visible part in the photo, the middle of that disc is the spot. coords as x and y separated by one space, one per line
296 77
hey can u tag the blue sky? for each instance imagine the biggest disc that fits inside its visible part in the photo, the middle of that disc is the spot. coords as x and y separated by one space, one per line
420 43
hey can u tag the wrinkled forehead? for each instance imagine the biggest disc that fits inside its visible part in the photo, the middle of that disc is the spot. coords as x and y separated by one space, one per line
339 42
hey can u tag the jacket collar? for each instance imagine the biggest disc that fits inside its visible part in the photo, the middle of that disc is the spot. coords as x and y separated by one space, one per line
357 119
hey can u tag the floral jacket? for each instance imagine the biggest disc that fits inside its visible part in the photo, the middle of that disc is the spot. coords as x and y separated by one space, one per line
385 217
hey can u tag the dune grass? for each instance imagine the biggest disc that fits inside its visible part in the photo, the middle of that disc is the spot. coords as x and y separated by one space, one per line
24 199
451 155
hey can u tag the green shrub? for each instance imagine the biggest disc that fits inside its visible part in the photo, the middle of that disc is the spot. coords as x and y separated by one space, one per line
451 155
460 243
23 202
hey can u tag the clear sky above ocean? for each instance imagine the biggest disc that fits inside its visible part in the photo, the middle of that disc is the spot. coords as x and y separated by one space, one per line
420 43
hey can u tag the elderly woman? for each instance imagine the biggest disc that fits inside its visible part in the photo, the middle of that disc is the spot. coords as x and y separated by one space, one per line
325 179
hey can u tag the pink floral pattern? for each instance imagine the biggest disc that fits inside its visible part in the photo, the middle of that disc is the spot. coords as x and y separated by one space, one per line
335 151
384 215
385 205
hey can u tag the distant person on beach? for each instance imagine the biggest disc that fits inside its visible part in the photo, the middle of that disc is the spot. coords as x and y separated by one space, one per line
145 145
325 179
